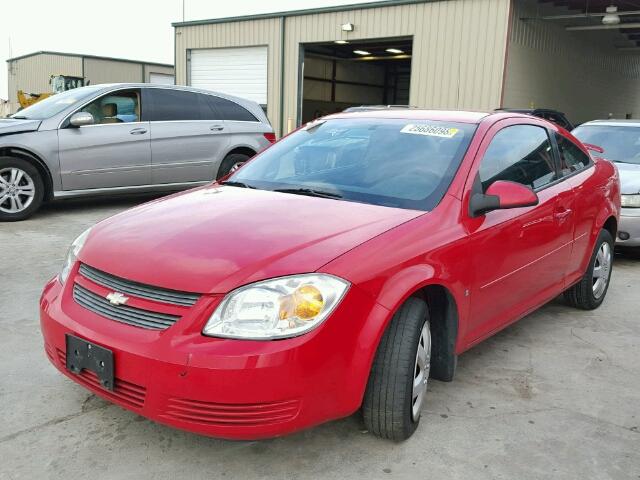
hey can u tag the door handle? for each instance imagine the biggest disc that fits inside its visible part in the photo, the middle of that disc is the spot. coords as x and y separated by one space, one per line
216 128
138 131
563 214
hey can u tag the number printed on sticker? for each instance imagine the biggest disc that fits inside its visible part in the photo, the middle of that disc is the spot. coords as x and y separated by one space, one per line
429 130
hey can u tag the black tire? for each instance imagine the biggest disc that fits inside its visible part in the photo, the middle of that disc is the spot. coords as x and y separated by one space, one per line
228 163
581 295
388 402
31 171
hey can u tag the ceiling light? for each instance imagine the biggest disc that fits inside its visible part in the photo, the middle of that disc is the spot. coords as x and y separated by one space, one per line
341 42
361 52
612 17
394 50
347 27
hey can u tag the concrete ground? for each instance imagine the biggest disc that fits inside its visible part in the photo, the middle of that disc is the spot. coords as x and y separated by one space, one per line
556 395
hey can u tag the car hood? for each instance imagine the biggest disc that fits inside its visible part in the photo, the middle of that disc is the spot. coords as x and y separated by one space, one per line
629 177
214 239
12 125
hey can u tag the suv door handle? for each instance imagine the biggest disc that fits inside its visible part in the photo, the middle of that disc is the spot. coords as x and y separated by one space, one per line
138 131
216 128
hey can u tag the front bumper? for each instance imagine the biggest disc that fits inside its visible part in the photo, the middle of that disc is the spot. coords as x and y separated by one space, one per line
220 387
629 228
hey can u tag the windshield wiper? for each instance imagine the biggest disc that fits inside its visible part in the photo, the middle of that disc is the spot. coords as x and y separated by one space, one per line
309 192
19 117
237 184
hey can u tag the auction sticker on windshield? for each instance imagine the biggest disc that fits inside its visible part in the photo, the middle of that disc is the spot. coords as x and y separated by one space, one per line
430 130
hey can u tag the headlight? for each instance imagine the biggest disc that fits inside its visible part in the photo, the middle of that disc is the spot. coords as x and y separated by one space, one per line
72 255
278 308
630 201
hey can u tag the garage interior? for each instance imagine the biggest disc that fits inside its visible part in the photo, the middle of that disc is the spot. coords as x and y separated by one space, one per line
342 74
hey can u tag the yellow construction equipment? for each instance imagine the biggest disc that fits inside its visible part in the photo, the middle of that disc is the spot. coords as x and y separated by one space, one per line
59 83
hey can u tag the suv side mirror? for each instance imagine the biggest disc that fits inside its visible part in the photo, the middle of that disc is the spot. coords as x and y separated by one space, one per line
502 195
80 119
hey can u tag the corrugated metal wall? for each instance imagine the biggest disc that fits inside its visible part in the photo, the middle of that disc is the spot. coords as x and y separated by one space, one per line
32 74
579 73
111 71
458 48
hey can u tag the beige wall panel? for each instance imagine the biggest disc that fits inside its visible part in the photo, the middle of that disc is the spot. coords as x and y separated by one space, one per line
458 48
32 74
579 73
111 71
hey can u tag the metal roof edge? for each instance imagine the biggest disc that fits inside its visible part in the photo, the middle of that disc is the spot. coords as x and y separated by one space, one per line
295 13
80 55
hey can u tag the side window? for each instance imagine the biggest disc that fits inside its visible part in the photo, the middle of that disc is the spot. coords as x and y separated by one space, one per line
520 153
229 110
116 107
572 159
168 105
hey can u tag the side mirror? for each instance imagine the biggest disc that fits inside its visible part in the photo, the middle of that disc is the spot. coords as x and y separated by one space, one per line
80 119
502 195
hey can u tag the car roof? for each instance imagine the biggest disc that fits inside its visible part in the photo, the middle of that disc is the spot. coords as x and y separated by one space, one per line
459 116
614 123
416 114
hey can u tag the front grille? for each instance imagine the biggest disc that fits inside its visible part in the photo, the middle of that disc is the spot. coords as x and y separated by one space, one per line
223 414
122 313
128 393
140 290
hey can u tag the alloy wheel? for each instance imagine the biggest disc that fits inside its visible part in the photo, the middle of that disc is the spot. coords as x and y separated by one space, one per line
421 371
601 269
17 190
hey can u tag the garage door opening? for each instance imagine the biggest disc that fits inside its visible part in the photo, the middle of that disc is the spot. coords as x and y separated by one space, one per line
341 74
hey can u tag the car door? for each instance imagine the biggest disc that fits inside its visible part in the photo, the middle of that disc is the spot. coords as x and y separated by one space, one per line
188 139
113 152
577 168
519 256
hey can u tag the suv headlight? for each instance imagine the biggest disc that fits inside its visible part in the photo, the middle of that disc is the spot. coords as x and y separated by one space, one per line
72 255
630 201
278 308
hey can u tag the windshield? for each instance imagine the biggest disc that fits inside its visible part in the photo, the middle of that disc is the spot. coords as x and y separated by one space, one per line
620 144
391 162
55 104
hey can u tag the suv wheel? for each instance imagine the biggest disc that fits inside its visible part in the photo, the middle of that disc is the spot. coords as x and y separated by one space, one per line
589 292
231 163
398 380
21 189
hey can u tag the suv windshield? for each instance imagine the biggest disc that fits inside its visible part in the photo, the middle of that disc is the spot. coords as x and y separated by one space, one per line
392 162
55 104
620 144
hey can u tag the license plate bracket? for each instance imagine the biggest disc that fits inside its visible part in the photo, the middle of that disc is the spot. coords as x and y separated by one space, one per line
83 355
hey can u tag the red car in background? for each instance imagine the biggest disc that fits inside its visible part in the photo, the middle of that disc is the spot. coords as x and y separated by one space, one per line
337 270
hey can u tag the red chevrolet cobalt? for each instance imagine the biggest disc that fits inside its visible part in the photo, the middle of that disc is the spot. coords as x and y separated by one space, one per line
338 270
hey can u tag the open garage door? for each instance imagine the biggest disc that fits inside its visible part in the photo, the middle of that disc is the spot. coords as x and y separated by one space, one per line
240 71
343 74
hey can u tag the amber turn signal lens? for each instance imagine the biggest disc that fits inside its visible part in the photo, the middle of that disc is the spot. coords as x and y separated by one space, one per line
308 302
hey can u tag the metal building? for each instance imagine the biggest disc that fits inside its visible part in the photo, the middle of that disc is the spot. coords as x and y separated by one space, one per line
455 54
31 73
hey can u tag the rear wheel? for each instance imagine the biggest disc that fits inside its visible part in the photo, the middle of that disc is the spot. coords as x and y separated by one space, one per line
231 163
398 381
589 292
21 189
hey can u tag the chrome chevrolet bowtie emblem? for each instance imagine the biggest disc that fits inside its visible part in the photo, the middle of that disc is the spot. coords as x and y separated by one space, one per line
116 298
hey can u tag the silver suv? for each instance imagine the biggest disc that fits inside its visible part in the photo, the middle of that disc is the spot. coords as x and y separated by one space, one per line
123 138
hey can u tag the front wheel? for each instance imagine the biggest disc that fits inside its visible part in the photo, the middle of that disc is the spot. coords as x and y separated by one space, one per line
397 383
21 189
231 163
589 292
